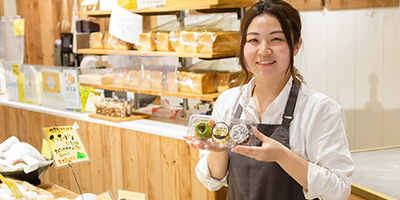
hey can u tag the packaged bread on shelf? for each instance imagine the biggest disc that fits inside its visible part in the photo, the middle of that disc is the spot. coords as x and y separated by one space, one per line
175 39
146 79
97 79
216 42
147 42
135 78
197 82
111 42
188 41
96 40
163 42
156 80
226 80
207 76
171 82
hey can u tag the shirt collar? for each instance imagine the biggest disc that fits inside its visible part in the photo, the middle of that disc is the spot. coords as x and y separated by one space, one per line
280 101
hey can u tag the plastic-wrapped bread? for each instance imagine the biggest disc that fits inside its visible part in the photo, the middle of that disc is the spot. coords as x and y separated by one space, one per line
147 42
146 80
96 40
162 42
197 83
156 80
135 78
188 42
111 42
228 80
172 82
175 40
214 42
122 45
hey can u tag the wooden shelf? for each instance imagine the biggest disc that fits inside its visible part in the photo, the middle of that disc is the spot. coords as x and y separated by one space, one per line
156 53
202 97
232 7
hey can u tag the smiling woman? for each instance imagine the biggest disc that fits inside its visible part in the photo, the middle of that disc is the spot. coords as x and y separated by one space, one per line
294 156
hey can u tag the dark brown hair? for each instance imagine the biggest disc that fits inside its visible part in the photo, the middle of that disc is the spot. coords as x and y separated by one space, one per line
288 17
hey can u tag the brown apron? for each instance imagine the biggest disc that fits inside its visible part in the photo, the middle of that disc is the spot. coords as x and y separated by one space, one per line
252 179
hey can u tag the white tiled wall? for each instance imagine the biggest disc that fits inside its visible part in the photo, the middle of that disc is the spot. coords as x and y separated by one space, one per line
353 56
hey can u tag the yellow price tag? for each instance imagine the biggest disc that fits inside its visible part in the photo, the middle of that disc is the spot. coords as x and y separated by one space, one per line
19 26
15 68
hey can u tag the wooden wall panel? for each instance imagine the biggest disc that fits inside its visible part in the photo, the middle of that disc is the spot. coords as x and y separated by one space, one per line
96 158
306 4
352 4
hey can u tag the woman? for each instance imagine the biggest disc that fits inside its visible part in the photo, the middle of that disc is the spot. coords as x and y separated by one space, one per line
302 152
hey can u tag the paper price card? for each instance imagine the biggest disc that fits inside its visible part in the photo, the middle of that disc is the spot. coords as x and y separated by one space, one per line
66 145
127 195
51 82
19 26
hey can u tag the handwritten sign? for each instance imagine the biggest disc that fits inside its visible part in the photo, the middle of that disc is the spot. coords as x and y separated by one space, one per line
127 195
19 26
66 145
125 25
104 196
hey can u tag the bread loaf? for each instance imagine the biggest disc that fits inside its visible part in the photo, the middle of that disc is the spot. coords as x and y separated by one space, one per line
215 42
188 42
156 80
175 40
147 42
197 83
162 42
172 82
108 41
135 78
96 40
228 80
146 80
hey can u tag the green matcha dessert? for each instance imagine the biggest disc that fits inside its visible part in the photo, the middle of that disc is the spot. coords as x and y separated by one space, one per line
202 130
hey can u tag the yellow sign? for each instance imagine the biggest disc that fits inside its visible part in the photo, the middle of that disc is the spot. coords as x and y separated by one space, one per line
104 196
19 26
127 195
15 69
66 145
51 82
46 151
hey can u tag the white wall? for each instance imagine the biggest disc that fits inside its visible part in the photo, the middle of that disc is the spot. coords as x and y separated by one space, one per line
353 56
10 8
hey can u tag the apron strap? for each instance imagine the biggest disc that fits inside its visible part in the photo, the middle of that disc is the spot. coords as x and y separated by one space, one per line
238 111
290 105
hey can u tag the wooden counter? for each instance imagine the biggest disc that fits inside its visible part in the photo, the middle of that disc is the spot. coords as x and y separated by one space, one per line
162 167
57 191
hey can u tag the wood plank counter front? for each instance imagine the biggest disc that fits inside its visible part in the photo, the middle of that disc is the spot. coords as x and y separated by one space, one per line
121 158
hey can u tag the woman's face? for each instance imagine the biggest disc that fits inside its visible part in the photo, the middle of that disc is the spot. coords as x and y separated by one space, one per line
266 50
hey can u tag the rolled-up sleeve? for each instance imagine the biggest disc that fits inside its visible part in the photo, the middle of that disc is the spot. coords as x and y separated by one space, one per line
203 174
330 162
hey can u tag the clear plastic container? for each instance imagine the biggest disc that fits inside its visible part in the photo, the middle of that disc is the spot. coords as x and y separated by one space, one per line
220 132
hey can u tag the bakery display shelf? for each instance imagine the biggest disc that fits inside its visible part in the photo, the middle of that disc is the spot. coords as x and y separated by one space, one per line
157 53
134 116
202 97
173 10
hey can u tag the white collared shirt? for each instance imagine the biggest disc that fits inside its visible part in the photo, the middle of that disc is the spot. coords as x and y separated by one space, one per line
317 134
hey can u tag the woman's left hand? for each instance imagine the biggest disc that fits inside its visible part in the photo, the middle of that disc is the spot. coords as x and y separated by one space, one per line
270 150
